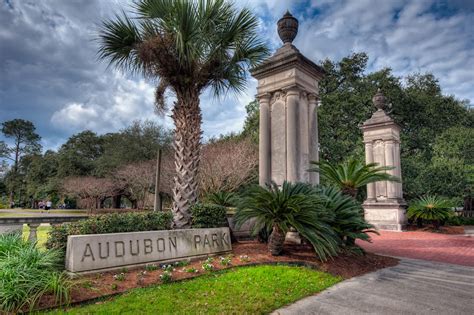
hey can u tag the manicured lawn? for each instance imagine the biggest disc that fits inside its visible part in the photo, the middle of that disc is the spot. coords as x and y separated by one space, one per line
250 290
42 233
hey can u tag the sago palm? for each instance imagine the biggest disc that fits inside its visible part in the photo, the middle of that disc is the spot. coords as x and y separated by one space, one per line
348 221
351 175
430 208
187 46
297 205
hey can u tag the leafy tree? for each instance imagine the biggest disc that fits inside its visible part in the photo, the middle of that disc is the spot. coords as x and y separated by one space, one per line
295 205
352 175
189 46
78 156
41 178
251 121
25 141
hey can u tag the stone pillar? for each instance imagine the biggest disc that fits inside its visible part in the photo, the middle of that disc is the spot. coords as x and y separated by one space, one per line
369 158
33 237
314 135
264 140
384 207
292 151
290 141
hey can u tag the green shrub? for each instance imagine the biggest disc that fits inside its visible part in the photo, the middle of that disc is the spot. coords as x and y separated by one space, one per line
458 220
27 273
296 205
108 223
222 198
431 208
348 221
208 216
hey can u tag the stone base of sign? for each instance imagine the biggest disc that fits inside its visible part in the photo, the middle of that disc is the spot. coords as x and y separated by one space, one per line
104 252
390 215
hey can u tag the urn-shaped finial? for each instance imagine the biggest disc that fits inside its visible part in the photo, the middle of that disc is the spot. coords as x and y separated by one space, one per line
379 100
287 27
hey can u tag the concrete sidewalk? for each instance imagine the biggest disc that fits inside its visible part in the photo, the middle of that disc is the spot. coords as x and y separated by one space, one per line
412 287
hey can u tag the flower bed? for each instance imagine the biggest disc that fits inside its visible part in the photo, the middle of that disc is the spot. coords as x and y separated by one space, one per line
245 253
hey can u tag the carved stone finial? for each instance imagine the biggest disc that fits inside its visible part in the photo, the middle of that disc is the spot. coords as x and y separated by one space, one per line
287 28
379 100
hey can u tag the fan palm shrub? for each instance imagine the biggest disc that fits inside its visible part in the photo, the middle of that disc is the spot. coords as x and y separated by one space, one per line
348 222
222 198
27 273
187 46
351 175
430 208
276 209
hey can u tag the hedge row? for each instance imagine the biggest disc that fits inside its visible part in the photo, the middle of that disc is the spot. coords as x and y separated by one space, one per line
109 223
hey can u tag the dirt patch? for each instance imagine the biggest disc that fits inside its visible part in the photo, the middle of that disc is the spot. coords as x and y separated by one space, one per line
442 229
244 253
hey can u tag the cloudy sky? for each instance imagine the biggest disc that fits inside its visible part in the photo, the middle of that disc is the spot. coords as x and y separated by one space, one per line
49 72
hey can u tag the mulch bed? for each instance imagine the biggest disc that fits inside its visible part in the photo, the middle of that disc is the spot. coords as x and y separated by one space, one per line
442 229
91 287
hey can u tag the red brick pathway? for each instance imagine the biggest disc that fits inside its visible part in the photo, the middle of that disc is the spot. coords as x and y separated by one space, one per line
453 249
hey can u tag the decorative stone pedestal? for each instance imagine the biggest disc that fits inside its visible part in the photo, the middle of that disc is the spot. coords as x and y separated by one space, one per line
384 207
287 94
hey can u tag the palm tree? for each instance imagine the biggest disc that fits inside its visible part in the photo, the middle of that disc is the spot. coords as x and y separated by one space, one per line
187 46
430 208
276 209
351 175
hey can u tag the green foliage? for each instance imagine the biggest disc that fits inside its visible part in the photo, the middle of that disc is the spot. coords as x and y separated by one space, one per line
430 208
351 175
286 284
108 223
295 205
348 221
208 216
27 273
222 198
251 122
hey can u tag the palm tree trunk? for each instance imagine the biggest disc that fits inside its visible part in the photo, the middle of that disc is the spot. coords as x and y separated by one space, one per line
276 240
187 145
350 191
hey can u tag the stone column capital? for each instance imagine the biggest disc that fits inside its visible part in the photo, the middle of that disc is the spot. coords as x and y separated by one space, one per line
312 97
264 97
293 91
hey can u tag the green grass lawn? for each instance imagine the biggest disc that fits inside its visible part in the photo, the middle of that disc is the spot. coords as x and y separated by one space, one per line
250 290
42 233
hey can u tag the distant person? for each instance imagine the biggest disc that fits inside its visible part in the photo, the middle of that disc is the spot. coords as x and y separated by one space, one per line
41 205
48 205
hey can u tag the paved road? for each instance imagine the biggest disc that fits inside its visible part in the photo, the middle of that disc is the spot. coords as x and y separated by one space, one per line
452 249
412 287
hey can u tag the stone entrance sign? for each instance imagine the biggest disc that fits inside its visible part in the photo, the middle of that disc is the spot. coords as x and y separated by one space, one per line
107 251
287 94
384 207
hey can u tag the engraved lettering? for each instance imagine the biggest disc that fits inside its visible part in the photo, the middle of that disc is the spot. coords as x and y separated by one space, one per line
173 242
100 251
206 241
214 239
162 242
122 250
197 240
224 239
88 253
131 248
147 246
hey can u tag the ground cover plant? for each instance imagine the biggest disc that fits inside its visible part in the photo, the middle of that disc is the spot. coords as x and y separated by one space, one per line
263 288
42 234
27 273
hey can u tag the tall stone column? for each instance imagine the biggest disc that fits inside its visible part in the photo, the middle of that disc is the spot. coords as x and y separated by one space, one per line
369 158
314 135
288 120
384 207
292 97
264 140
